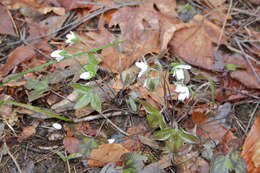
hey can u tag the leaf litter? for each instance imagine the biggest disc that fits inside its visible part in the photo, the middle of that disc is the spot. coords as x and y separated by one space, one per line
225 74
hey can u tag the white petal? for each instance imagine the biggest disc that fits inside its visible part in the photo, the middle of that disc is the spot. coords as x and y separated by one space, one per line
56 54
71 37
110 141
57 126
145 84
179 74
183 67
85 75
143 66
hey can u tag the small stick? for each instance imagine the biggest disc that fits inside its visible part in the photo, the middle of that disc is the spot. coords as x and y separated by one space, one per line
15 162
101 115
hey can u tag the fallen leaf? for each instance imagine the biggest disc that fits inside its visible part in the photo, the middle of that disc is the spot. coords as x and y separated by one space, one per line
6 25
257 2
250 147
17 56
194 43
132 143
106 153
71 144
28 132
256 154
214 3
246 78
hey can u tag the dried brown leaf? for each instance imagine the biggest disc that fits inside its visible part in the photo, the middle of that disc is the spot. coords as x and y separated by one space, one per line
250 147
6 26
106 153
71 144
27 132
17 56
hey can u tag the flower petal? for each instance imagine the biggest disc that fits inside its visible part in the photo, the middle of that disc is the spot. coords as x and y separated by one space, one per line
85 75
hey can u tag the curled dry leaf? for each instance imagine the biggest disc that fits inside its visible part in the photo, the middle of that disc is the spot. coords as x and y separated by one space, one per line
106 153
6 26
17 56
250 147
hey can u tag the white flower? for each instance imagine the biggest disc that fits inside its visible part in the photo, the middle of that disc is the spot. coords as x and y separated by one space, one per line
183 91
58 55
71 38
57 126
146 84
85 75
178 71
143 66
110 141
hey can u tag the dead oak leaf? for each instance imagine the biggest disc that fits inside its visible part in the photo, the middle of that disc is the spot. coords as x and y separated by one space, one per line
195 43
106 153
17 56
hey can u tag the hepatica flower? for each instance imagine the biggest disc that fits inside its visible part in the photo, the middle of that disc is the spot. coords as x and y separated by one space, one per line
143 66
183 92
58 54
178 70
71 38
85 75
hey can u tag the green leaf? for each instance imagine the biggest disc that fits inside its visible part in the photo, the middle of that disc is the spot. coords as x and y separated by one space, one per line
95 102
163 134
83 89
83 101
92 59
73 156
188 137
133 162
238 162
92 68
148 107
36 109
231 67
174 143
156 120
152 83
221 164
131 104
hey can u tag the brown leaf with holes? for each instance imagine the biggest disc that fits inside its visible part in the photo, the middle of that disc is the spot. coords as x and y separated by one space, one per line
106 153
6 25
251 147
17 56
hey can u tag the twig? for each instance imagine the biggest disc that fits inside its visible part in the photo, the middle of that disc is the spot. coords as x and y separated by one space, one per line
240 92
15 162
251 118
224 24
101 115
247 60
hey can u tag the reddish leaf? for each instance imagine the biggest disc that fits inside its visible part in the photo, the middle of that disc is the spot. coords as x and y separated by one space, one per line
6 26
106 153
71 144
250 146
18 55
